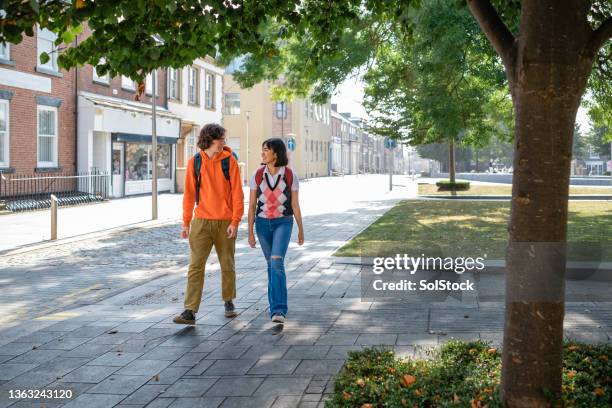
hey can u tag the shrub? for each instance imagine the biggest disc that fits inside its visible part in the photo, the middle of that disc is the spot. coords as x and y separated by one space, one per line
447 185
461 374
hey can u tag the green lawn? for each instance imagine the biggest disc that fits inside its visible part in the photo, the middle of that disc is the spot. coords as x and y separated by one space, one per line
474 228
506 189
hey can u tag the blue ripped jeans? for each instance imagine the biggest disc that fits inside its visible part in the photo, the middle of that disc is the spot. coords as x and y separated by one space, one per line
273 235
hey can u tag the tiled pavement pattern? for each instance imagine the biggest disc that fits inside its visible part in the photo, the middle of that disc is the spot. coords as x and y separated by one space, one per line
124 351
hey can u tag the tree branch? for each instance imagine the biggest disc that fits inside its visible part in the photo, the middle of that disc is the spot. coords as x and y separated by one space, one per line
600 36
494 28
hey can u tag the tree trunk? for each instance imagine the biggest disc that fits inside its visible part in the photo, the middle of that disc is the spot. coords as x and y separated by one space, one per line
451 160
548 74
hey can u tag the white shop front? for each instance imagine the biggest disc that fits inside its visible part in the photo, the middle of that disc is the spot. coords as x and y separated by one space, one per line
114 136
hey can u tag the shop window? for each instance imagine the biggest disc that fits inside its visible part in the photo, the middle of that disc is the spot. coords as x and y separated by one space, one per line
139 162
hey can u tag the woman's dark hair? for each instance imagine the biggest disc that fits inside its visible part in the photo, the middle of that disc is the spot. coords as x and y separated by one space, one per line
210 132
277 146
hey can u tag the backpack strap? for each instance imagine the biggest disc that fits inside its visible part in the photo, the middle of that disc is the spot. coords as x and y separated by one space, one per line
225 166
288 177
259 175
197 164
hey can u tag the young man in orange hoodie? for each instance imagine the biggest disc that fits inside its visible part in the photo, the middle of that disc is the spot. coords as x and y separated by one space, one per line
219 205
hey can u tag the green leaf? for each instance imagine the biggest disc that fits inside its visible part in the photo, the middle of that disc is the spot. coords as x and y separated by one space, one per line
44 58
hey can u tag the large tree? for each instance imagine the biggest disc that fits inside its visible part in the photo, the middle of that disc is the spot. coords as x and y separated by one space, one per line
548 59
441 83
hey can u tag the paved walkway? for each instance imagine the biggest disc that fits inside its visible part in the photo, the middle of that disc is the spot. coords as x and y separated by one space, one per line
121 349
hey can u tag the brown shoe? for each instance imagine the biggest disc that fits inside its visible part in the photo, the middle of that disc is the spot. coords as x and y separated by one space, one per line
187 317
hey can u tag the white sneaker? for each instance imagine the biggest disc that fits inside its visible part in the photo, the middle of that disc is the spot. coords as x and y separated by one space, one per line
278 318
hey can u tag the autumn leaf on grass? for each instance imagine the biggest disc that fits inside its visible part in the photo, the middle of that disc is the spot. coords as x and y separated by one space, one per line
599 392
407 380
360 382
346 395
456 399
573 348
366 405
492 350
79 4
571 374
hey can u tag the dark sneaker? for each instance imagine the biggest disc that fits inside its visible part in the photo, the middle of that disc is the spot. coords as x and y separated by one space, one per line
278 318
230 309
187 317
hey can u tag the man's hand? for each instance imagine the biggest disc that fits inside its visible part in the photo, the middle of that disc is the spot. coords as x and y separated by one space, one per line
232 231
185 232
252 241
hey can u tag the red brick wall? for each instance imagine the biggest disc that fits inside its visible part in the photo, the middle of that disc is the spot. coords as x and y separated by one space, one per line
23 113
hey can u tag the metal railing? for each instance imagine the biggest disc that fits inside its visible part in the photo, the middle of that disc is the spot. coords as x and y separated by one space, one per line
22 192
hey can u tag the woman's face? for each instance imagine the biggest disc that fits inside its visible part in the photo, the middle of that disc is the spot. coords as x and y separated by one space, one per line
267 155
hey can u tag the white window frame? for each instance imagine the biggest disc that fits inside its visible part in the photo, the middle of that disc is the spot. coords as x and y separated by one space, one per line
5 51
56 136
6 134
149 85
174 91
196 74
209 90
105 79
50 36
127 83
227 110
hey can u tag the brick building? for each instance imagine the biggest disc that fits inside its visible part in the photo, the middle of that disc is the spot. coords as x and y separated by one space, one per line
114 132
37 109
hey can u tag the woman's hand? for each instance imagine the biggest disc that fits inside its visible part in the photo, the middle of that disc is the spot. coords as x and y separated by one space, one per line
300 237
252 241
185 232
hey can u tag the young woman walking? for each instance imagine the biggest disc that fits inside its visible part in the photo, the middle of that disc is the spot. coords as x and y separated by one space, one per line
273 204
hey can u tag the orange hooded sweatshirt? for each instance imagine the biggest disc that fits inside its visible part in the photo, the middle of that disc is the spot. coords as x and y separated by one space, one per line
220 199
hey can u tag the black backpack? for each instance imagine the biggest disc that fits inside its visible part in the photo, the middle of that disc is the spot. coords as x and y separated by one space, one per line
197 164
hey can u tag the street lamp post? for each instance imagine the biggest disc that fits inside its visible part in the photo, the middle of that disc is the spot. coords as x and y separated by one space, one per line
246 173
307 151
154 145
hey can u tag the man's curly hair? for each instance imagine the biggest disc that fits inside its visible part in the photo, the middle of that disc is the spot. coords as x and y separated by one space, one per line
210 132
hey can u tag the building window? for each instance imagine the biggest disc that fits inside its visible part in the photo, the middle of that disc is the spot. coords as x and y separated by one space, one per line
5 52
105 79
174 83
232 104
312 149
149 85
209 91
281 110
127 83
139 162
46 43
190 144
47 136
4 133
193 86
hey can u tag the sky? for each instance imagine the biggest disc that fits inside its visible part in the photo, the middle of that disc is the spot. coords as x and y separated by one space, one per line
349 97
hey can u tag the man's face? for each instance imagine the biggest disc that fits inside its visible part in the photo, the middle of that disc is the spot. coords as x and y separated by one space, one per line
217 144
